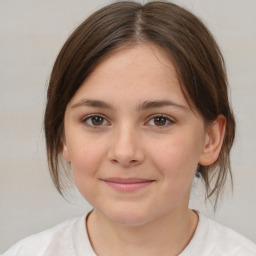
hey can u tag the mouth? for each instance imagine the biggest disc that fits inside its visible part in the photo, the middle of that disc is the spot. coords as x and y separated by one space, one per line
127 184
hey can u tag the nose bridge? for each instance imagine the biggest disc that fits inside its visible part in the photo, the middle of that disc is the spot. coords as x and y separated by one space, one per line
125 147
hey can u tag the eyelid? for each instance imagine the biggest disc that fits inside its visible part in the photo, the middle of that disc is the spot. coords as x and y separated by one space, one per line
85 118
168 118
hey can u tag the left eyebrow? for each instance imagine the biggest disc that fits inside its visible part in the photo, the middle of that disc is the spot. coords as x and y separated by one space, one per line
160 103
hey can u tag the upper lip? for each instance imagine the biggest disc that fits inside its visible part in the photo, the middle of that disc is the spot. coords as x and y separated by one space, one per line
126 180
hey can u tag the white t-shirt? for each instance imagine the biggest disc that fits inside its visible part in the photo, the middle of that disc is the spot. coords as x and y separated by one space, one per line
70 238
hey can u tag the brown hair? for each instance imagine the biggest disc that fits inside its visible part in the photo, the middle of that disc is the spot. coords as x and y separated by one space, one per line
191 47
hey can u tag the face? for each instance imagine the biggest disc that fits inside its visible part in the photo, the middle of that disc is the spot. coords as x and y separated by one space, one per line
132 140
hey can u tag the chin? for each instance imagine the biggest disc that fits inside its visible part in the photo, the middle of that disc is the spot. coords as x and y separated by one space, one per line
128 216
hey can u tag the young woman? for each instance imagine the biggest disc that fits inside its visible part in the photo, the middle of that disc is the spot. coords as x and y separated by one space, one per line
137 107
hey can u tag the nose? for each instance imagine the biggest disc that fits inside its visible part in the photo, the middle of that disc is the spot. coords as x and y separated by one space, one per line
126 148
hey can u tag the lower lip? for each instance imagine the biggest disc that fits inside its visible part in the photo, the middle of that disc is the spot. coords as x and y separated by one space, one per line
128 187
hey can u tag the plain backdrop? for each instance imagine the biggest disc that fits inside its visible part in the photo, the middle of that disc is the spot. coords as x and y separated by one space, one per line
31 34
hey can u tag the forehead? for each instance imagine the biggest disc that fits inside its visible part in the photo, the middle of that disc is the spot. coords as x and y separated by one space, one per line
140 59
140 70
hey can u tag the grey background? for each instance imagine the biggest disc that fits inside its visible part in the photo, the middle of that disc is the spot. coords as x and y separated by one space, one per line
31 34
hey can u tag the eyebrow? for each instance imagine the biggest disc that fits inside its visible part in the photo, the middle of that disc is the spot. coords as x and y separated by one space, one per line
144 106
160 103
93 103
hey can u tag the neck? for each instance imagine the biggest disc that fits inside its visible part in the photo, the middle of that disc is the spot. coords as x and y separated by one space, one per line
168 235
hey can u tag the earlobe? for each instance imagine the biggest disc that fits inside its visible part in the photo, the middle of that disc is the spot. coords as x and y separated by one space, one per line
65 151
213 141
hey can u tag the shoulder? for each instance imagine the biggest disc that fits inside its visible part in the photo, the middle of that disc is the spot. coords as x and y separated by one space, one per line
230 239
56 240
212 238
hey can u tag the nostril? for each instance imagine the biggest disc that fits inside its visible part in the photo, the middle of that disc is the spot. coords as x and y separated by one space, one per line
114 161
124 155
127 163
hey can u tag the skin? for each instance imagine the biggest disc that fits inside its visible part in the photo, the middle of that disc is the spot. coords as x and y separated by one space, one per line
158 144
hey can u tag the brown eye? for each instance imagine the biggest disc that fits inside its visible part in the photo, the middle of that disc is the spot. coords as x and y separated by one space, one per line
160 120
95 121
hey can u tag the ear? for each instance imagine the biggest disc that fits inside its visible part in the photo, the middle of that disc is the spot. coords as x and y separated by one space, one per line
213 141
65 150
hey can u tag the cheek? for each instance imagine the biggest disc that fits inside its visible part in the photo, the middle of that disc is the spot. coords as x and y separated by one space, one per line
176 160
86 159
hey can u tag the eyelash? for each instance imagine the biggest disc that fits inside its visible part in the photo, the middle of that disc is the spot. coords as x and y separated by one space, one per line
89 117
167 119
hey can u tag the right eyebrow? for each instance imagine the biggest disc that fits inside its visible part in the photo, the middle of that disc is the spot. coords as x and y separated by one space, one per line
92 103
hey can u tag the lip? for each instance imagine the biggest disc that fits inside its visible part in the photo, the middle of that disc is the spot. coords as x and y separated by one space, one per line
127 184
